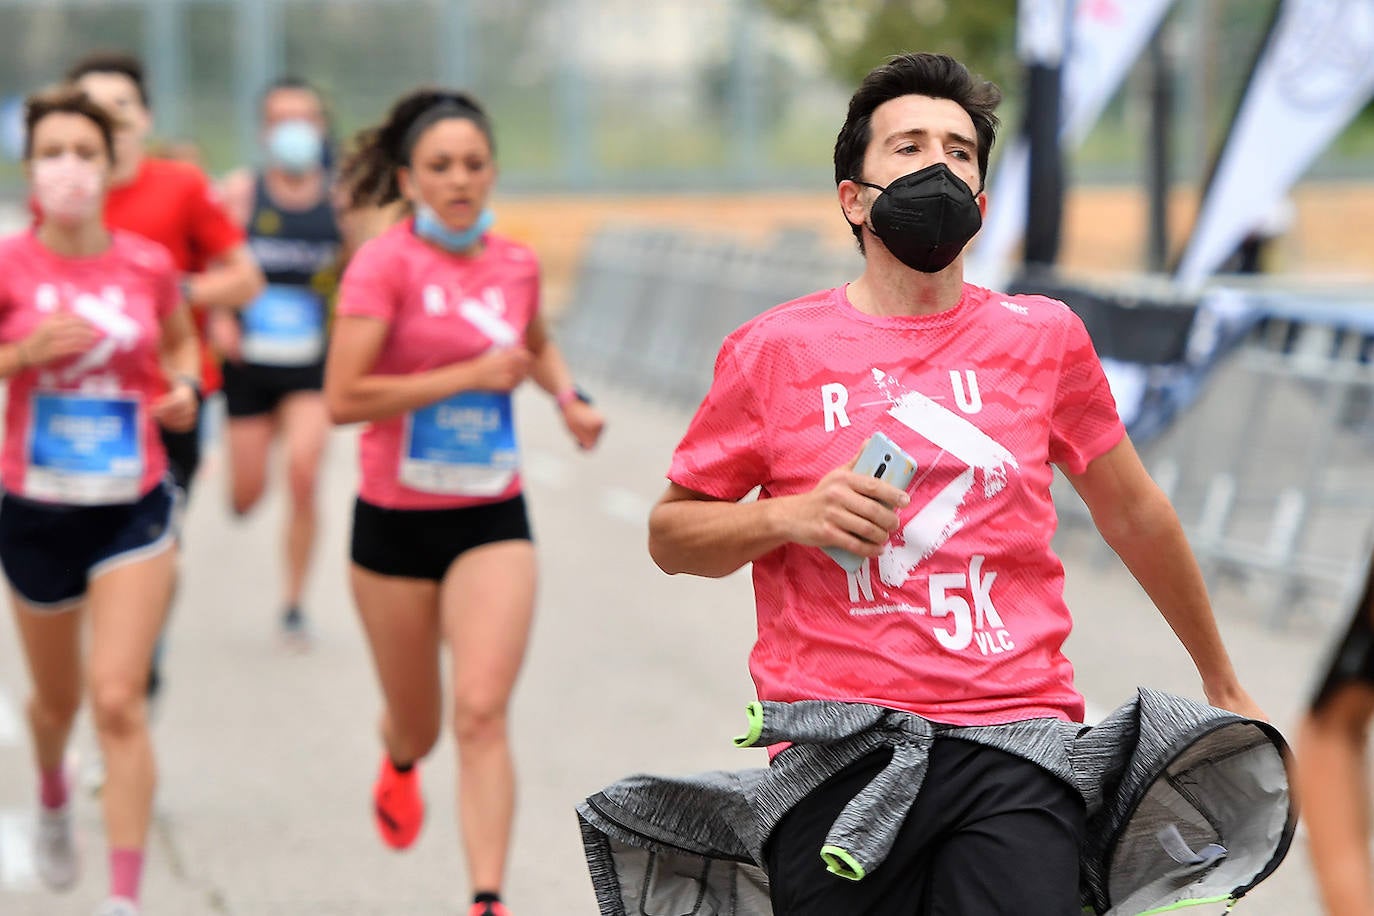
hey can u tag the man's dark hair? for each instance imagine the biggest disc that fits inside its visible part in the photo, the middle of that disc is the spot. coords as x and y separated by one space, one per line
937 75
290 82
120 62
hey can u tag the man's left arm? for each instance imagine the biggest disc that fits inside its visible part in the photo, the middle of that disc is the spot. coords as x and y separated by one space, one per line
232 278
231 281
1137 521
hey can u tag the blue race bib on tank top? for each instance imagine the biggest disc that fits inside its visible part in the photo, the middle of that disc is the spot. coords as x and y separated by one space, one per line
284 327
297 250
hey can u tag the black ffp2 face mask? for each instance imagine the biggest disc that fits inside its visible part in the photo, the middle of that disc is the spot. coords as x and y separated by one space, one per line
926 218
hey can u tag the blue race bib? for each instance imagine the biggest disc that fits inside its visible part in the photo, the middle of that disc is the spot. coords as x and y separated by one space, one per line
284 327
83 449
462 445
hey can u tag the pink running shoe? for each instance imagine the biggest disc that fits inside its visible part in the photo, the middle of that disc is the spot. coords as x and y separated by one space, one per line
398 809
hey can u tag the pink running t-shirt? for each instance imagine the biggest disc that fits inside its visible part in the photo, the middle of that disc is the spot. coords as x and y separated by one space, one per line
962 618
80 431
441 308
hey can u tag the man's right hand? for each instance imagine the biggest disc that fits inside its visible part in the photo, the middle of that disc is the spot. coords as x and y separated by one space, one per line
225 334
846 510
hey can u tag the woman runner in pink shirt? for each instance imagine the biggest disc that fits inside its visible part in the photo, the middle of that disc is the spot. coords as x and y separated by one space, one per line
438 321
90 321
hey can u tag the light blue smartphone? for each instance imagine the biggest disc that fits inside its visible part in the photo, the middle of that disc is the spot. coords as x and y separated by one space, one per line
884 459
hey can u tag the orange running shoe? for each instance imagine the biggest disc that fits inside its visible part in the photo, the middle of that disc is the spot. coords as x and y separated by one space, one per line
492 908
397 807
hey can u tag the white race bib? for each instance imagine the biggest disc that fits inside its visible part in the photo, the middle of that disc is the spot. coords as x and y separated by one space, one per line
463 445
284 327
84 450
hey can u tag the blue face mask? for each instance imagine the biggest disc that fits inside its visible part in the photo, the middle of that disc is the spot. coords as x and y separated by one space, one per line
295 146
429 227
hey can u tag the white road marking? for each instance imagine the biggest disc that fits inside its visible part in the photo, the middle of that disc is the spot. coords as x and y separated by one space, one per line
16 851
626 505
10 727
549 470
545 469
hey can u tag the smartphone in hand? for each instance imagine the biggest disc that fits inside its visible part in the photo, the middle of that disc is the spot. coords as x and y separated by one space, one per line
884 459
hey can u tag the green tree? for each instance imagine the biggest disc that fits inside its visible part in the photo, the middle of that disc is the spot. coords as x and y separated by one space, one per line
857 35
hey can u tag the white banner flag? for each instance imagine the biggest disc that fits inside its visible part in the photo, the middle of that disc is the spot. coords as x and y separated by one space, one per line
1316 73
1106 38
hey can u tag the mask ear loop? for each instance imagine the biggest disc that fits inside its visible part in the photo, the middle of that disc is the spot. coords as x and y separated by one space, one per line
868 217
982 185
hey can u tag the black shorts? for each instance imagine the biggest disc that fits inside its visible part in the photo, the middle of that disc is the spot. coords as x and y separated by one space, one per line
990 834
252 391
183 452
1353 658
50 552
423 543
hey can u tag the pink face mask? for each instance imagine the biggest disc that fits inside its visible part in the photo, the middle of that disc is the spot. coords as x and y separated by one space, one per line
67 187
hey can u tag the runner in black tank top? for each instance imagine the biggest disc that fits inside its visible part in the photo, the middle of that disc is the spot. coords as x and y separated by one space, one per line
274 349
282 334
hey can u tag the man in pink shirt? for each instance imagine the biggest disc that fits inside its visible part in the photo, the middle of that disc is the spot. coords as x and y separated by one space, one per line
956 612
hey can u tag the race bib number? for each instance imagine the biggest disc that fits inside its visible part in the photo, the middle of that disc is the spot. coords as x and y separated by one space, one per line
84 450
461 446
284 327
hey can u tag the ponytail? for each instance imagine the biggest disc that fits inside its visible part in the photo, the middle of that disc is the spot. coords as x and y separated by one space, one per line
369 171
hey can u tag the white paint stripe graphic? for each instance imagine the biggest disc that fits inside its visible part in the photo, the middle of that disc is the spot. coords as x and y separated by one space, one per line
489 323
926 533
955 435
10 727
16 851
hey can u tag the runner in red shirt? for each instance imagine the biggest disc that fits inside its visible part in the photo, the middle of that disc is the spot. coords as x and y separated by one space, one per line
172 203
438 322
956 610
89 318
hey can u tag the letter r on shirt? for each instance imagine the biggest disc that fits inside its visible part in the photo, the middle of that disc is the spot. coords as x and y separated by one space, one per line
833 398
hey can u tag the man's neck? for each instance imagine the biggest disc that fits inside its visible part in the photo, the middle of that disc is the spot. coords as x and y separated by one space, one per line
83 241
295 191
125 172
889 287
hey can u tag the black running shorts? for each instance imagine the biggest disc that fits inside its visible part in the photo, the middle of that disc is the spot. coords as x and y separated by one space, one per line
50 552
423 543
254 391
990 834
1352 662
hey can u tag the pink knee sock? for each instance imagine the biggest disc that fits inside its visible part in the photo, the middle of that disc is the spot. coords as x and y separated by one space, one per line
126 870
52 788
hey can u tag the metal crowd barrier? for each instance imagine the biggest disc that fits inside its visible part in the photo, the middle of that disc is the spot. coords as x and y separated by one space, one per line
1272 469
650 306
1276 462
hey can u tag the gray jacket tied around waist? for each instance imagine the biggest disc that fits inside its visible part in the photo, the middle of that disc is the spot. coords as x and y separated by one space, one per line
1186 804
